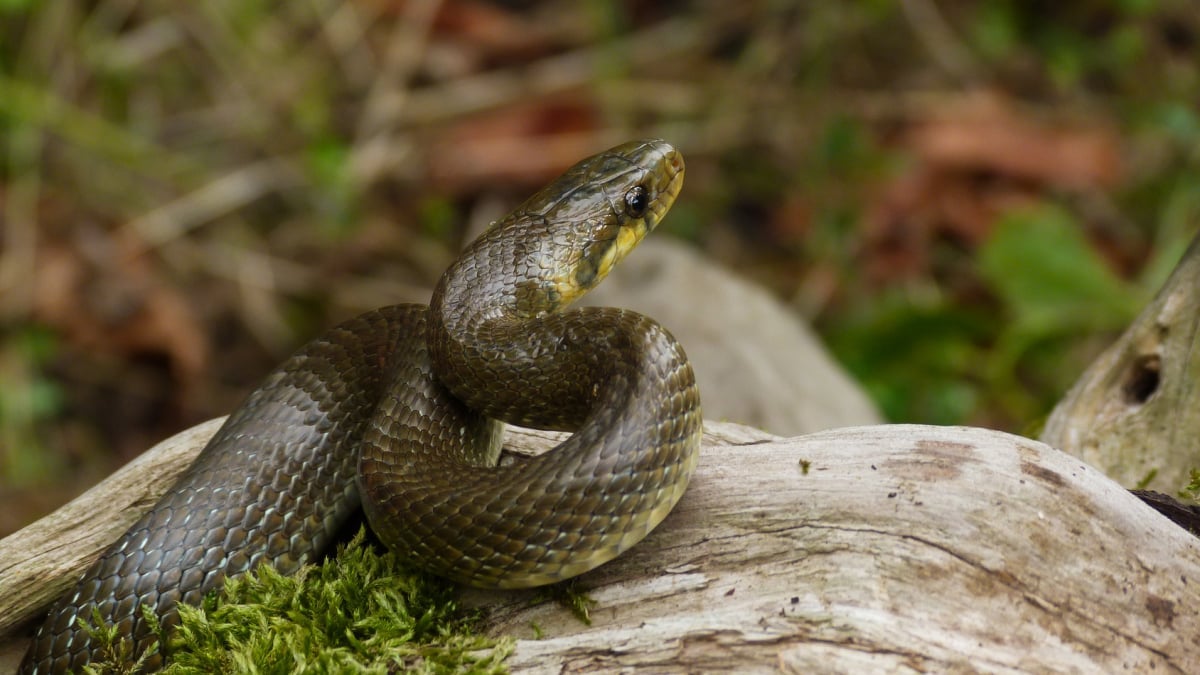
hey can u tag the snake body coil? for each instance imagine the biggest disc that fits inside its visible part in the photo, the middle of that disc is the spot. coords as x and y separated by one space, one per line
400 406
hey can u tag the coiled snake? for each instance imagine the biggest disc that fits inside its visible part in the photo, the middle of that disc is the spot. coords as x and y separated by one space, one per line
399 405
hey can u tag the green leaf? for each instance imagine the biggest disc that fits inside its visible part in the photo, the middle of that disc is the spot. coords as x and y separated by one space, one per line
1044 270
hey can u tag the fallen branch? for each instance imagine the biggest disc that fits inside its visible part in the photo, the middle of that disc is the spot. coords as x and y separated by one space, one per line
869 548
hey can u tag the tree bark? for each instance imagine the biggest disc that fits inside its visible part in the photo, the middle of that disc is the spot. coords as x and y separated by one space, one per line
886 548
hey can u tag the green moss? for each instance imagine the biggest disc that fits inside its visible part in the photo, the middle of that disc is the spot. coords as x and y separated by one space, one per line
568 594
1192 489
358 612
113 655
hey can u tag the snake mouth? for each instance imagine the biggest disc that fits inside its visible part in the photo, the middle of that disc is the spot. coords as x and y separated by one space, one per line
666 175
669 176
665 171
653 166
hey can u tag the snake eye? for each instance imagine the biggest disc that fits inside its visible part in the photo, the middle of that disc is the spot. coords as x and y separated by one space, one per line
637 200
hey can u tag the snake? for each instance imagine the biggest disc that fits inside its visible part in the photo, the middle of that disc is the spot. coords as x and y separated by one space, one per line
402 409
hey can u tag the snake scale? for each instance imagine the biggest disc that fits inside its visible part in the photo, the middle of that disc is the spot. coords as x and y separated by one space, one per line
400 408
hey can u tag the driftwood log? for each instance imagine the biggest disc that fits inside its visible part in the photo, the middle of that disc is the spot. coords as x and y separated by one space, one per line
1133 414
884 548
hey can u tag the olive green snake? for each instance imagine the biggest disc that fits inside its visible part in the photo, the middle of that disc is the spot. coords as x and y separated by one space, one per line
401 409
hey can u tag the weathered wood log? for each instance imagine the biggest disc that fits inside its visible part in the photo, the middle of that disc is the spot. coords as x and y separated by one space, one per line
886 548
1131 414
39 562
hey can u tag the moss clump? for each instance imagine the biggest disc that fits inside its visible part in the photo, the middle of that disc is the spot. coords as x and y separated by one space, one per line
568 594
1192 489
112 654
357 612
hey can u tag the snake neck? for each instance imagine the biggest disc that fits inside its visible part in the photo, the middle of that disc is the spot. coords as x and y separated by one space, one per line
499 336
545 369
549 372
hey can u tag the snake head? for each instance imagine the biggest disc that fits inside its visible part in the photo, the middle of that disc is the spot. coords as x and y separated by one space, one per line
564 239
595 214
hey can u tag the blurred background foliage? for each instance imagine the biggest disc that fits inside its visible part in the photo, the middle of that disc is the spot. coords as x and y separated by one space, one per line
968 199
